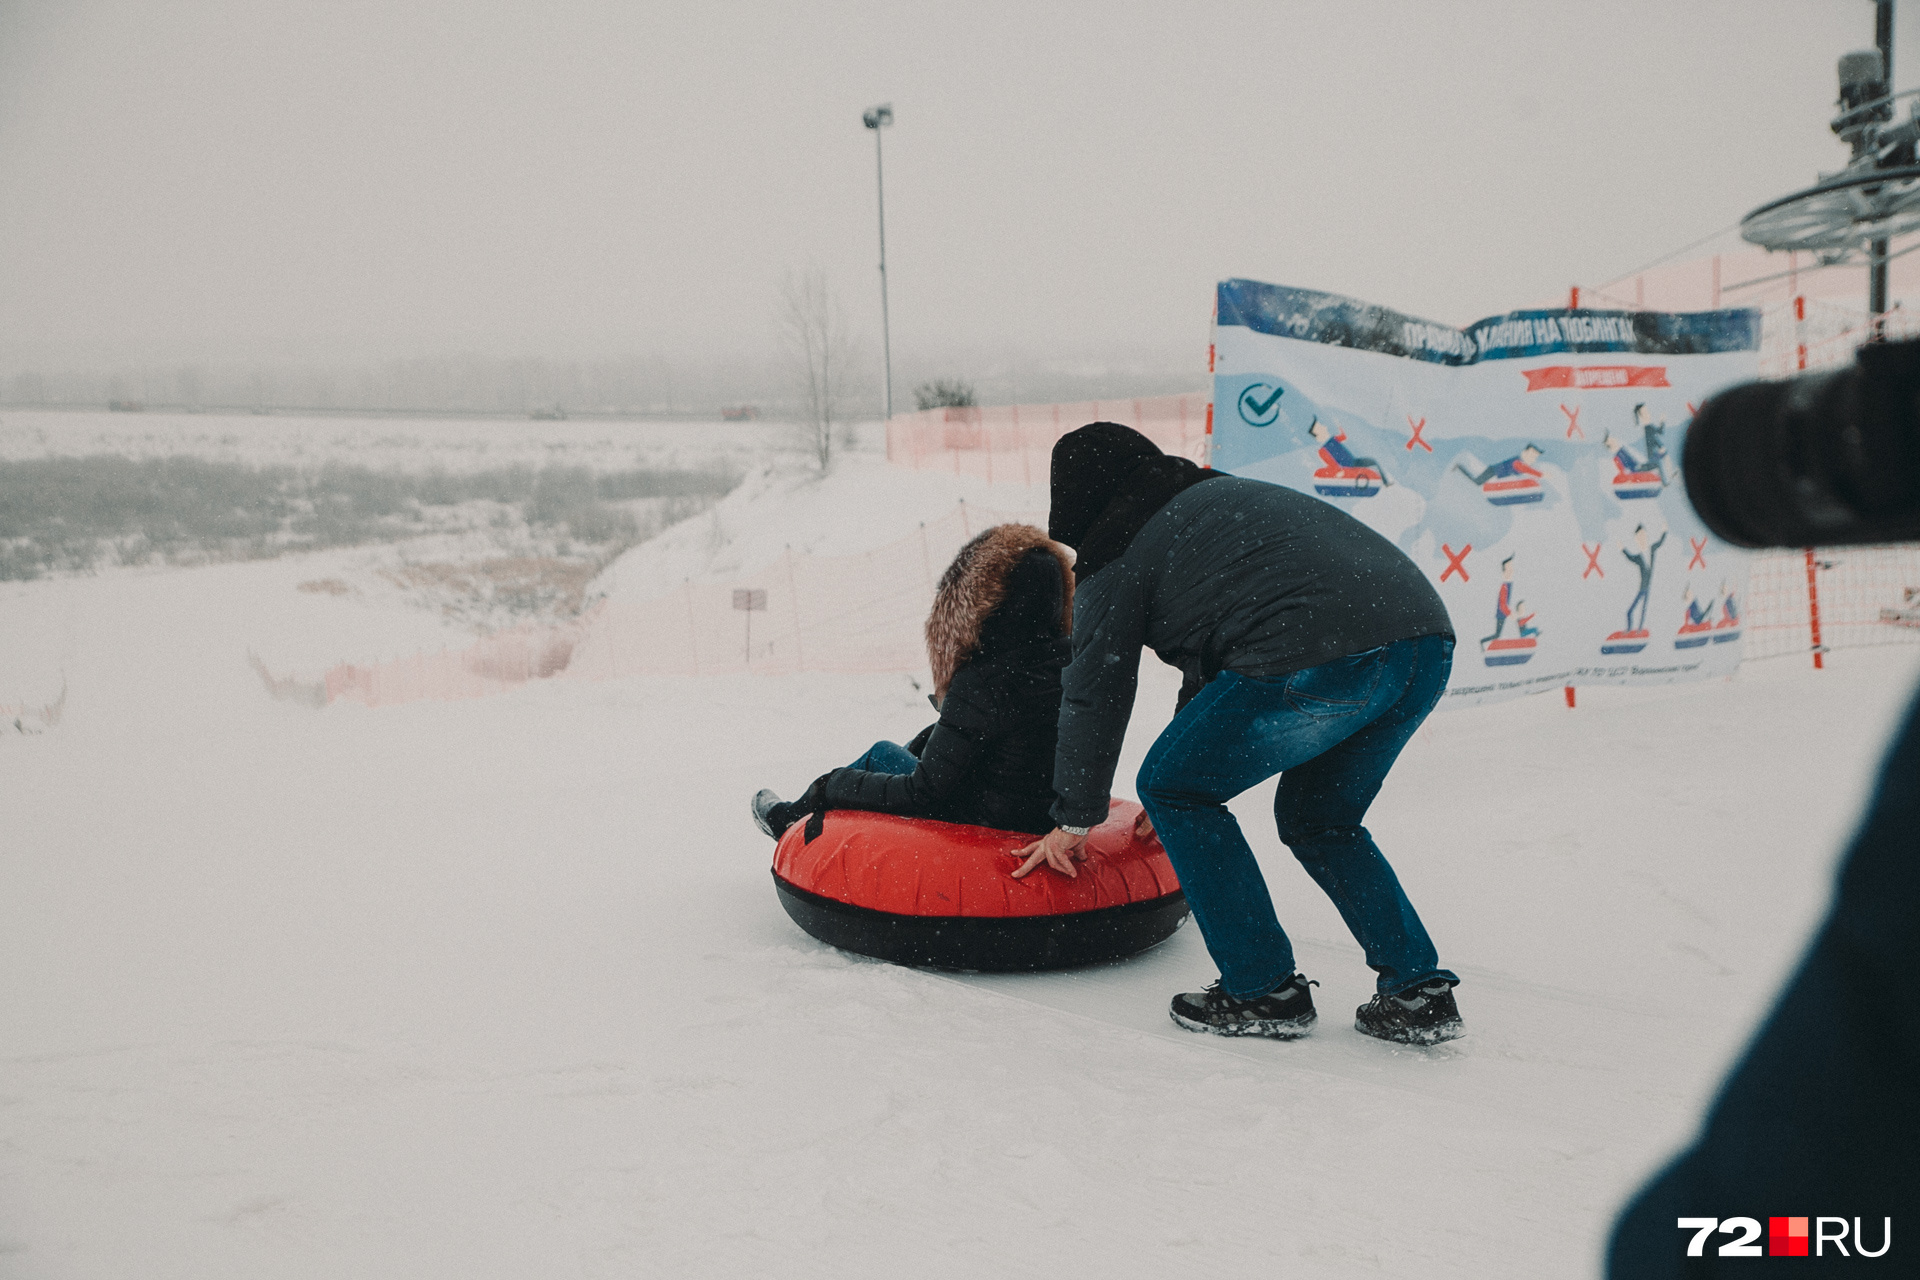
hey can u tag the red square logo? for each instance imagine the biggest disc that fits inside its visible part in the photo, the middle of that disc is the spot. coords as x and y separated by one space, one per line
1786 1237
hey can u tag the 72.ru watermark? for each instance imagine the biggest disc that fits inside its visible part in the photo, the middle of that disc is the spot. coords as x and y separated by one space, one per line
1786 1237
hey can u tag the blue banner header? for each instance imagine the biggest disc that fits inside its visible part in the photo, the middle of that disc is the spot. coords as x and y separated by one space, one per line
1335 320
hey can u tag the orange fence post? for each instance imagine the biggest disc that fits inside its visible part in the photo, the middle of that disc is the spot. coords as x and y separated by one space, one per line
1569 695
1800 328
1573 303
1813 607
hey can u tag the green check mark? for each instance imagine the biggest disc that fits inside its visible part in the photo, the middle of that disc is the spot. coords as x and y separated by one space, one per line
1256 411
1261 406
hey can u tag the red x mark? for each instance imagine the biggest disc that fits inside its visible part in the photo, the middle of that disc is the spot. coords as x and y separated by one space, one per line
1418 427
1699 560
1691 411
1593 560
1573 424
1456 563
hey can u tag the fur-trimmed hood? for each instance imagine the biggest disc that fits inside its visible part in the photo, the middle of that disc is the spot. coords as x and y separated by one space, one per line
975 585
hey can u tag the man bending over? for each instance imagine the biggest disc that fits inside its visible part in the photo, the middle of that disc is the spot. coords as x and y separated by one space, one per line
1312 648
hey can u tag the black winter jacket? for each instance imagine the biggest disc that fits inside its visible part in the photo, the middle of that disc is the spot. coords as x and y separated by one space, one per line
988 760
1230 575
997 642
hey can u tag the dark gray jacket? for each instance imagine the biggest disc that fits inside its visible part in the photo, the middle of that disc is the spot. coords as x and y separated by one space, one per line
1231 575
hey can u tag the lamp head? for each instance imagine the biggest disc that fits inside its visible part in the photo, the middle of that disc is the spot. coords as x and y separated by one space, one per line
874 117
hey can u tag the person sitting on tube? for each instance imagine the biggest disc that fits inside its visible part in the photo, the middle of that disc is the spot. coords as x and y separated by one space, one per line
996 642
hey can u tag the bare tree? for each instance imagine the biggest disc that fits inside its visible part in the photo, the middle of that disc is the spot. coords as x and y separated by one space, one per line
820 352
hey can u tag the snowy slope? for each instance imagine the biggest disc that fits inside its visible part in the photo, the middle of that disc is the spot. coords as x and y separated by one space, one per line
862 503
501 988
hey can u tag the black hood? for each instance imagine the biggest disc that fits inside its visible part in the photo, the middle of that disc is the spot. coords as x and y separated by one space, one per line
1032 607
1107 482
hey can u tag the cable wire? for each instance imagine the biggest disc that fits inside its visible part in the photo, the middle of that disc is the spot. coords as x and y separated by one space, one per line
1668 257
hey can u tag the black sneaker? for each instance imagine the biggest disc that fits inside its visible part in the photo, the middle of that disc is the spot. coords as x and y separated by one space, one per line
1285 1013
1422 1014
770 813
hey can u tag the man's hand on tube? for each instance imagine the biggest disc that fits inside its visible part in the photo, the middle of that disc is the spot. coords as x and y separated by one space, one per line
1057 849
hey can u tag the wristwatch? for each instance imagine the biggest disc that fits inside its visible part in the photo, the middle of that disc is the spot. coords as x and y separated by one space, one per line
1075 831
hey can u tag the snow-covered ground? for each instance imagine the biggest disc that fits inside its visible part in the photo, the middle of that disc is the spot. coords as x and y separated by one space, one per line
501 987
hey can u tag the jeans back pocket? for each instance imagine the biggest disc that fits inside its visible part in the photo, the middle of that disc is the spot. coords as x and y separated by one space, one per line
1338 688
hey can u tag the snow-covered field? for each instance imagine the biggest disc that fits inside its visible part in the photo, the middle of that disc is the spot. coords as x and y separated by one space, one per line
409 444
492 522
501 987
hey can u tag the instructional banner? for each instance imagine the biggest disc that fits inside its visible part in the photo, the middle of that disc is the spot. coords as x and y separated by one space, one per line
1528 463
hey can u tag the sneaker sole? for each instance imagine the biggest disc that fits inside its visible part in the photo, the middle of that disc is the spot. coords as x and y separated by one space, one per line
759 819
1271 1028
1420 1037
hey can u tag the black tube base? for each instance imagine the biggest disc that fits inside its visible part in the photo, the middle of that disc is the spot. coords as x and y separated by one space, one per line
987 944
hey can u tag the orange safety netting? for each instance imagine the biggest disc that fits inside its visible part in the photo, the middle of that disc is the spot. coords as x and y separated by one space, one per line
1811 316
1858 596
1010 442
498 662
803 612
864 612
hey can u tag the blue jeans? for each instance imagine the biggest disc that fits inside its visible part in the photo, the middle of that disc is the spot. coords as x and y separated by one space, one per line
887 757
1331 732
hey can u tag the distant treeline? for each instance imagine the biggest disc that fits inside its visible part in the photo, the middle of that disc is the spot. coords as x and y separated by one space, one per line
637 387
73 513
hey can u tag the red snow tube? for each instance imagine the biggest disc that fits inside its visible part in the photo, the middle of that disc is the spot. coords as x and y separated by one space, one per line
939 894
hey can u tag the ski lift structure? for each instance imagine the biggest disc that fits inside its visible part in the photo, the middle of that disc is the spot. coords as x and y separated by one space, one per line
1855 215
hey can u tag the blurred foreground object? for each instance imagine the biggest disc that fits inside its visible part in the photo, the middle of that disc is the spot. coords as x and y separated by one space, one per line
1826 459
1821 1117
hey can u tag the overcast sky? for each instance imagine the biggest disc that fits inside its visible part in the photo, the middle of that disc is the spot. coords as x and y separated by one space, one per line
203 180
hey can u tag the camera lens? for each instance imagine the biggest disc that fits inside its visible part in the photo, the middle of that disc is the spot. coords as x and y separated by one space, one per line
1822 459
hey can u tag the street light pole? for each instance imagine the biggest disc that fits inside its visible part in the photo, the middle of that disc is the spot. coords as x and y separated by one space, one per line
1877 270
876 118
